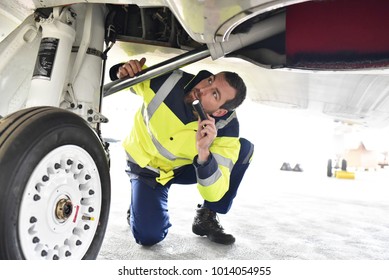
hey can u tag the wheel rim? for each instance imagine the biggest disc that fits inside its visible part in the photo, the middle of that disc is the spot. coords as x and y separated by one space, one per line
61 205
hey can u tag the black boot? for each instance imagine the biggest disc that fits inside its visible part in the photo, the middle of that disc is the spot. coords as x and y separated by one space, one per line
206 223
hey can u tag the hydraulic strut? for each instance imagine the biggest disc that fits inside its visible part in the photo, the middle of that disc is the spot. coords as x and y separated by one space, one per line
157 70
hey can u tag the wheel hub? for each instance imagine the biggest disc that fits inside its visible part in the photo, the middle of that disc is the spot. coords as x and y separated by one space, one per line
63 209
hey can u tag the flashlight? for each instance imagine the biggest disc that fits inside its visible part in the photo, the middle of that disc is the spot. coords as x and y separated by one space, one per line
199 109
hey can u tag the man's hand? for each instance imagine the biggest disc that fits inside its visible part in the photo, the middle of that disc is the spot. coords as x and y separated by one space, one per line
206 133
131 68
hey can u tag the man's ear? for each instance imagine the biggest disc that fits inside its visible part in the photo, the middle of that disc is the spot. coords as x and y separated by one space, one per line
220 112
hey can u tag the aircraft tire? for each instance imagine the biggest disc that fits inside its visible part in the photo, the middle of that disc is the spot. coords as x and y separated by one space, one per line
54 186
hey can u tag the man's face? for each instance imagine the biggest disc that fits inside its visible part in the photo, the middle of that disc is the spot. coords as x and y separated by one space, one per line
212 92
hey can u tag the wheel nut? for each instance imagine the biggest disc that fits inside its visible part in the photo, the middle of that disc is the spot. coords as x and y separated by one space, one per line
69 162
35 240
91 192
80 166
36 197
68 254
86 227
45 178
43 253
57 166
33 220
78 242
55 257
87 177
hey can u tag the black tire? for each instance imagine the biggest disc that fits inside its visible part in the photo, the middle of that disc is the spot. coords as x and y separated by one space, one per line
27 138
329 168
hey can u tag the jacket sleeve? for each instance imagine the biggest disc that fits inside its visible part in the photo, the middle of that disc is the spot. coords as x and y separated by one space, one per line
114 70
138 88
213 177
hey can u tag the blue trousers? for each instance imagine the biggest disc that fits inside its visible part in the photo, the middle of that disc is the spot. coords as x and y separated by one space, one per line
149 219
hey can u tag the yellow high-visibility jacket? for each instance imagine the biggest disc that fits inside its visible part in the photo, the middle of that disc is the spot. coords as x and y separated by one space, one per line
163 137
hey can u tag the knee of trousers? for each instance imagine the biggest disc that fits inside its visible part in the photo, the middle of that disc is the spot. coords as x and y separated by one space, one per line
148 232
245 154
246 151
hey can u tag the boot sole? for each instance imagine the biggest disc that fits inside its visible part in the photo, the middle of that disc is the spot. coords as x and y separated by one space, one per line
198 232
212 238
224 242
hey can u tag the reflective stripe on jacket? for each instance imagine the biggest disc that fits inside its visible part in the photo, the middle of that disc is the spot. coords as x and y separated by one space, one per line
163 137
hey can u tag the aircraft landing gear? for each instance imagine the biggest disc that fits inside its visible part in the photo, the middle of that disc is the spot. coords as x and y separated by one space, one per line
54 186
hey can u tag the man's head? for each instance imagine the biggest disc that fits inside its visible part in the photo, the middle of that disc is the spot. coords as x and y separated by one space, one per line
235 81
220 93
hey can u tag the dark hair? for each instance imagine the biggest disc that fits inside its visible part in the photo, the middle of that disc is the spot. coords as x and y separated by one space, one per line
235 81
